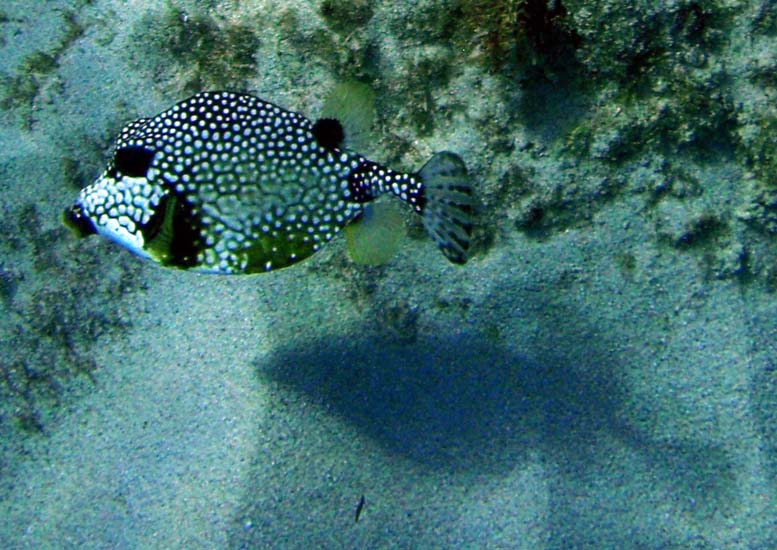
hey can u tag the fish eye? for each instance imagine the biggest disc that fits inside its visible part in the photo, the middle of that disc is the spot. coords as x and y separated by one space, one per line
74 218
133 161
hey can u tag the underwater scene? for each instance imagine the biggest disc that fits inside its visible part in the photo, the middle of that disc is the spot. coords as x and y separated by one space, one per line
373 274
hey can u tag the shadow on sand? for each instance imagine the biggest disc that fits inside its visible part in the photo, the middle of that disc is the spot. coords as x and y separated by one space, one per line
455 403
466 403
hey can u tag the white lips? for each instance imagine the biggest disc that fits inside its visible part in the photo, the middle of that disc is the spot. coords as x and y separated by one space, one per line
118 207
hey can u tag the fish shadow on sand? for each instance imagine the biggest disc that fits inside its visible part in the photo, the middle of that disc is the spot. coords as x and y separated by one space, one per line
460 402
467 402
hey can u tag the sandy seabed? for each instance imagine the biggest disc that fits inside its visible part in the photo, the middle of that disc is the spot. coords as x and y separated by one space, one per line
589 388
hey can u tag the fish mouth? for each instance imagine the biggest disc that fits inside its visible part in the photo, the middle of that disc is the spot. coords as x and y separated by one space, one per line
74 218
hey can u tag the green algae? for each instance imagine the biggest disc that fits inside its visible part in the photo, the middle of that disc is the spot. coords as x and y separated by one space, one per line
757 146
20 91
348 52
346 16
198 50
518 32
648 81
765 20
54 310
649 84
657 82
422 75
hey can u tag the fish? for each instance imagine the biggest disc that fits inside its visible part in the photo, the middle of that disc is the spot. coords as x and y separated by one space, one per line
227 183
359 508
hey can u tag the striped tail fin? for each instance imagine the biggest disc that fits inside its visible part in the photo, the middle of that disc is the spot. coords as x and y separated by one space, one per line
447 211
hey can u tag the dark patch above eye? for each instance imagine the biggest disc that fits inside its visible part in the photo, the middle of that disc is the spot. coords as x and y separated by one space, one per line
328 133
133 161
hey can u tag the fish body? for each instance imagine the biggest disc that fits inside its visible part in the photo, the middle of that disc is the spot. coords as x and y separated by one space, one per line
228 183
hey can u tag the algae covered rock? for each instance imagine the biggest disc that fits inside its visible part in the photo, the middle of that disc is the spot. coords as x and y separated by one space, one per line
198 48
346 15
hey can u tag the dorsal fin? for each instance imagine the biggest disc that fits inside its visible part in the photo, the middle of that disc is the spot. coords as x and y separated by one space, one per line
352 103
329 133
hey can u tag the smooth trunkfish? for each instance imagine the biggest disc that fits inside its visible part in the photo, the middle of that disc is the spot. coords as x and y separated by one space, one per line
228 183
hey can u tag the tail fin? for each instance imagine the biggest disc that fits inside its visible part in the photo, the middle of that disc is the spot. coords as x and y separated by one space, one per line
448 206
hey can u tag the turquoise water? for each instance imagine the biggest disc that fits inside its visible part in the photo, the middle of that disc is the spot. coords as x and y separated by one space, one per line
600 374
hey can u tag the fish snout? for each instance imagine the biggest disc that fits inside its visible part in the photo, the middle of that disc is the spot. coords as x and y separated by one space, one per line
75 219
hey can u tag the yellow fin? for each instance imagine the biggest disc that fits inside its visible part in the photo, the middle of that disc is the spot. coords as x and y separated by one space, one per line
375 238
160 243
